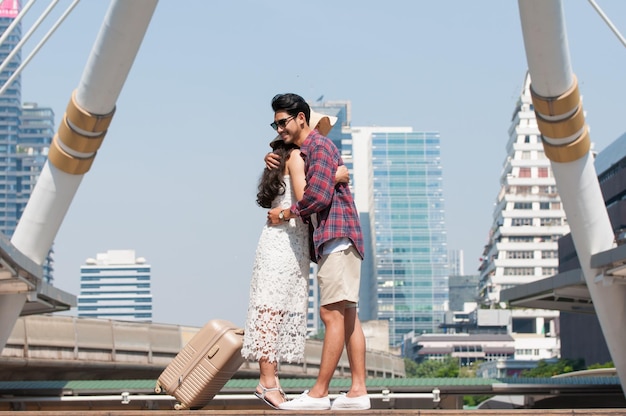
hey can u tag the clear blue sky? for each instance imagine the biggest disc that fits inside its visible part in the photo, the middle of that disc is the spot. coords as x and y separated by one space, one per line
176 176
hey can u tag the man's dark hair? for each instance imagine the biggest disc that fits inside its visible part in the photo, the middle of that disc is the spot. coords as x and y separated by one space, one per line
292 104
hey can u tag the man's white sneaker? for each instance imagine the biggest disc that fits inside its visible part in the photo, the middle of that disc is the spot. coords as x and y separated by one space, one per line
306 402
344 402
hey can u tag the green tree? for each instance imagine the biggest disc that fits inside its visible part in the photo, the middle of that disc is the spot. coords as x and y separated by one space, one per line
410 368
432 368
469 371
609 364
562 366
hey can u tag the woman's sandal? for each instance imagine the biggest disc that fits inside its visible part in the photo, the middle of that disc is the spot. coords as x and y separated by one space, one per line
264 392
280 389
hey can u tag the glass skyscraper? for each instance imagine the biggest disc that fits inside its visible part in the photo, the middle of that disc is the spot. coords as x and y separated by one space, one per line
409 236
10 113
116 285
25 136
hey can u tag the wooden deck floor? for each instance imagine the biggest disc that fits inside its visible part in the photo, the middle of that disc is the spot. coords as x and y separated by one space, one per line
380 412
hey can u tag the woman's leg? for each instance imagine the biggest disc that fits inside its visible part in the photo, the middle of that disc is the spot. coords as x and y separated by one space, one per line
269 380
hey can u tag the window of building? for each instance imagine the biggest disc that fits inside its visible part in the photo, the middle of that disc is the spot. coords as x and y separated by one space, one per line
524 326
521 239
519 222
549 238
523 205
549 190
527 254
548 222
543 172
524 172
549 271
519 271
549 254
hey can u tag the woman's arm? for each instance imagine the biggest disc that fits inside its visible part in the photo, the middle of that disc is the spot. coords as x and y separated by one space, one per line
295 167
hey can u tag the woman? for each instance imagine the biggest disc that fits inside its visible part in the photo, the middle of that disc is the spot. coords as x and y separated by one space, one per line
277 313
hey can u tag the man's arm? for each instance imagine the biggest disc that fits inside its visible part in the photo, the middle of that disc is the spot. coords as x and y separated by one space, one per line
272 160
320 179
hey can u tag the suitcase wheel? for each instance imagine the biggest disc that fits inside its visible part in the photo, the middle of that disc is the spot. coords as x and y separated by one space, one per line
179 406
157 388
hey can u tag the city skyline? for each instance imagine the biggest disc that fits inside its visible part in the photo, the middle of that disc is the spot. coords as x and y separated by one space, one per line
178 186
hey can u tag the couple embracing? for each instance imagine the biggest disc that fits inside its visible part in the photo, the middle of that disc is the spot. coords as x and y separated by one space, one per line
304 180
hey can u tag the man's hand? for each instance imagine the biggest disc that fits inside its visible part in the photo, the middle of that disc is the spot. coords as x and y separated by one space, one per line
342 174
272 161
272 215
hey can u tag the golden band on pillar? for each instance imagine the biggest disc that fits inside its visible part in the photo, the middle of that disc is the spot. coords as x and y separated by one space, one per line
568 152
564 128
559 105
77 118
66 162
85 120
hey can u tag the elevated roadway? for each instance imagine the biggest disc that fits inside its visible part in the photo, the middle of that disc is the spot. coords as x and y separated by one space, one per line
44 347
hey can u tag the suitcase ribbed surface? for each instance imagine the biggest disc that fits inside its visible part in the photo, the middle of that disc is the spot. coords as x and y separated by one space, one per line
204 365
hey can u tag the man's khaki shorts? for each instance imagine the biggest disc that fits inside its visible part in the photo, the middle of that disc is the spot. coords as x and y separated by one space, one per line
339 276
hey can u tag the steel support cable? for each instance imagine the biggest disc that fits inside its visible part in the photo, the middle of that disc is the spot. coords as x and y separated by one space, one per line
15 21
25 62
608 21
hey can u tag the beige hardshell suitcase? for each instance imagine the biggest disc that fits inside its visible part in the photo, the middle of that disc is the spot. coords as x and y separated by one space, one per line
204 365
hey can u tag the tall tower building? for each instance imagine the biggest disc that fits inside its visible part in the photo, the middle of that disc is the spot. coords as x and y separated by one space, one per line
456 260
11 110
115 285
528 218
25 136
399 182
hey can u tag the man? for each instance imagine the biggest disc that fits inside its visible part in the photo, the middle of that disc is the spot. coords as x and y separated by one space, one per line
338 243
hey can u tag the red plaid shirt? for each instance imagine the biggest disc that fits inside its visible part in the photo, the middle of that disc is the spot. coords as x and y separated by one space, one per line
337 215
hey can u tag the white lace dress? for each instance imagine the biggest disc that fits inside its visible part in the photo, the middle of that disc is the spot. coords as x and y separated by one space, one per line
276 324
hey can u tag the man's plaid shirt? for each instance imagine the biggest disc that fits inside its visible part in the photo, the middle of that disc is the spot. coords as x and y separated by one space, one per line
337 215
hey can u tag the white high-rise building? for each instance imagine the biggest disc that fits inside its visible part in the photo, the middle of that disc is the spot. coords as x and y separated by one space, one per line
456 260
115 285
528 220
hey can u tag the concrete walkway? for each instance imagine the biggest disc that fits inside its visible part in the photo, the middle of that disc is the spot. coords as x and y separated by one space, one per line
381 412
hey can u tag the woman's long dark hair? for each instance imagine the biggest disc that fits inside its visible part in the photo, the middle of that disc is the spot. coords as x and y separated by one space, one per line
272 181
